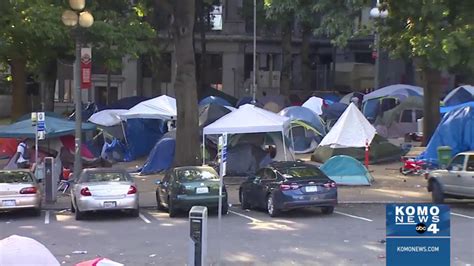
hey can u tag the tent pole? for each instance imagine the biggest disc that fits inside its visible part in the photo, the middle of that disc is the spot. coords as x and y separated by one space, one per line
284 144
124 135
203 148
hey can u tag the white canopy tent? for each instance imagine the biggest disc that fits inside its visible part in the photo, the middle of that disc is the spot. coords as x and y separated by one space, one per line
108 117
20 250
161 107
248 119
315 104
352 129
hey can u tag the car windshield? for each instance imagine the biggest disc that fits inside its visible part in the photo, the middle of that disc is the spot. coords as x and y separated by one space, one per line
16 177
190 175
105 177
302 172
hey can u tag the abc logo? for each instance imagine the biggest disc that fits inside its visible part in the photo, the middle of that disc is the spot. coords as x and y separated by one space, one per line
420 228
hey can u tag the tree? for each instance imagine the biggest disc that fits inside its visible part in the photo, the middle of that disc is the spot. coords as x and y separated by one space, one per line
437 35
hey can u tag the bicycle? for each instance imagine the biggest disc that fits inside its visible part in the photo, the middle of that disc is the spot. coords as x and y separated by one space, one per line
63 186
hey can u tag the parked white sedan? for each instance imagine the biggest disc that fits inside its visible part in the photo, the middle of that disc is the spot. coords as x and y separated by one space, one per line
104 189
456 181
19 190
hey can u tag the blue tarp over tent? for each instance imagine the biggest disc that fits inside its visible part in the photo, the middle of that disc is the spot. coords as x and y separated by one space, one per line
161 157
55 127
459 95
345 170
141 136
456 130
445 109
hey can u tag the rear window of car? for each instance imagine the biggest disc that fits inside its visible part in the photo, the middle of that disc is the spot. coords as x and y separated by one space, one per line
105 177
16 177
302 173
190 175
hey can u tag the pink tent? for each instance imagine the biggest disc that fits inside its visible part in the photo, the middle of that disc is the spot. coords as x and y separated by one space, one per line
99 262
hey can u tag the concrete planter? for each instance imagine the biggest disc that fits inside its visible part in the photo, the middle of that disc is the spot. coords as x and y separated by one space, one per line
5 106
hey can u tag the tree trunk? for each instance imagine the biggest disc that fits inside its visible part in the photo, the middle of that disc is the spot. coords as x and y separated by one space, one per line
286 32
432 93
305 59
19 98
187 151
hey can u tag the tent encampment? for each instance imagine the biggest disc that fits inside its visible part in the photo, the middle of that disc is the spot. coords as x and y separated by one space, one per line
456 130
345 170
141 136
315 104
161 107
349 137
209 113
107 117
400 120
161 156
214 100
347 99
459 95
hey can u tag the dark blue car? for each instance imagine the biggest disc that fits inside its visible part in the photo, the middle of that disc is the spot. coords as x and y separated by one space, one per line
284 186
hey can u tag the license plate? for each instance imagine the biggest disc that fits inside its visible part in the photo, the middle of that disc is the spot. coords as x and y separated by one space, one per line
9 203
110 204
311 189
202 190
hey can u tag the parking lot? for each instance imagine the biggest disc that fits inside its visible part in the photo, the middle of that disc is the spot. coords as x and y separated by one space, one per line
353 235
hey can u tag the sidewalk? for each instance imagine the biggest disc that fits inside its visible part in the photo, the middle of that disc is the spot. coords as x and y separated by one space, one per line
389 187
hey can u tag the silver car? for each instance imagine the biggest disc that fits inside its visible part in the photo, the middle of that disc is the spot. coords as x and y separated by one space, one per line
104 189
19 190
456 181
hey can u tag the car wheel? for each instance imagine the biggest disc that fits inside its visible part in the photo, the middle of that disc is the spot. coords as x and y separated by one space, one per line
328 209
79 215
72 208
436 193
159 206
271 209
135 212
243 201
225 207
171 209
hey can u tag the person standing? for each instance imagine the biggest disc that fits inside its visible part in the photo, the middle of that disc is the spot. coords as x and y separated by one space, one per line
22 150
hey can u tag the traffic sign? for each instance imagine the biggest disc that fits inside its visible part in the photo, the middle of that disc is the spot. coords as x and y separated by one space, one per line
41 135
41 116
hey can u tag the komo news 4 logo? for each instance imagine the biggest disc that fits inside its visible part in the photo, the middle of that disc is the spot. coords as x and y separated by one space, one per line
417 220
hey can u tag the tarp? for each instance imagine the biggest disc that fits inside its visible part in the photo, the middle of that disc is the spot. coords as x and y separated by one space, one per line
214 100
445 109
402 119
99 262
351 130
108 117
345 170
141 136
248 119
7 147
381 150
306 115
459 95
54 127
456 130
69 142
19 251
209 113
161 107
161 157
315 104
49 114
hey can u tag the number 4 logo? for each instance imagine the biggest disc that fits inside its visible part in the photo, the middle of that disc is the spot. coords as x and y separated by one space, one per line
433 228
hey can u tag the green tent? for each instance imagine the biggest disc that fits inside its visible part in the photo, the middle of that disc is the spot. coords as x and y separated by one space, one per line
381 150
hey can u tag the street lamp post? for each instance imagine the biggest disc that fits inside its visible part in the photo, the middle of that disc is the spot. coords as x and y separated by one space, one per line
377 13
254 78
77 18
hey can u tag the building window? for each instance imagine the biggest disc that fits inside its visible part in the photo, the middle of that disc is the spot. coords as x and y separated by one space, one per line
216 16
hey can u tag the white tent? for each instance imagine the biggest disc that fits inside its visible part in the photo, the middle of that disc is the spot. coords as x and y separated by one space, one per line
161 107
108 117
351 130
315 104
248 119
19 250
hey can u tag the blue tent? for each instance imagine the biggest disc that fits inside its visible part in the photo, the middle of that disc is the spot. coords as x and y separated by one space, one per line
456 130
459 95
54 127
346 170
215 100
445 109
161 157
141 134
306 115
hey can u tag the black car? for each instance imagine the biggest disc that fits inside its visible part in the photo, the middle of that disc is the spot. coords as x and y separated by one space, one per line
288 185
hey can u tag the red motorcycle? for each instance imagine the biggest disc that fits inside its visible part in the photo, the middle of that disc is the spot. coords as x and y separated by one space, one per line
413 166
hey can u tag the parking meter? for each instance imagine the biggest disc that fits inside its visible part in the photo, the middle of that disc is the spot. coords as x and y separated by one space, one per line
50 180
198 236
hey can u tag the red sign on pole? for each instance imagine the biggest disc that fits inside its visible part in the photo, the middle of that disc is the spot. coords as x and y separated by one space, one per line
86 65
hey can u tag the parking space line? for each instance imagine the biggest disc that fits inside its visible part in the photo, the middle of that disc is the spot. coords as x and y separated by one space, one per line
46 218
246 216
462 215
353 216
144 218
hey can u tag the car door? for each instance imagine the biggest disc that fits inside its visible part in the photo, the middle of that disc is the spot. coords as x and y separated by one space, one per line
265 186
164 187
253 191
451 180
467 177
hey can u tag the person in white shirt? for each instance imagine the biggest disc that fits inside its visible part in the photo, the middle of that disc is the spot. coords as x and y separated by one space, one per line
22 150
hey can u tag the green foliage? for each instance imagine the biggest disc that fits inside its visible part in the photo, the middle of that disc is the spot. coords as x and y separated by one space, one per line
439 32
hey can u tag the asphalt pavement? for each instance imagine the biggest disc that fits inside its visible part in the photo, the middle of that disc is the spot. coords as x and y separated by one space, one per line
353 235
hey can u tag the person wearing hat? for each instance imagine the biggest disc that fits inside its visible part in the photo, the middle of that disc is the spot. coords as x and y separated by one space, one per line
22 150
